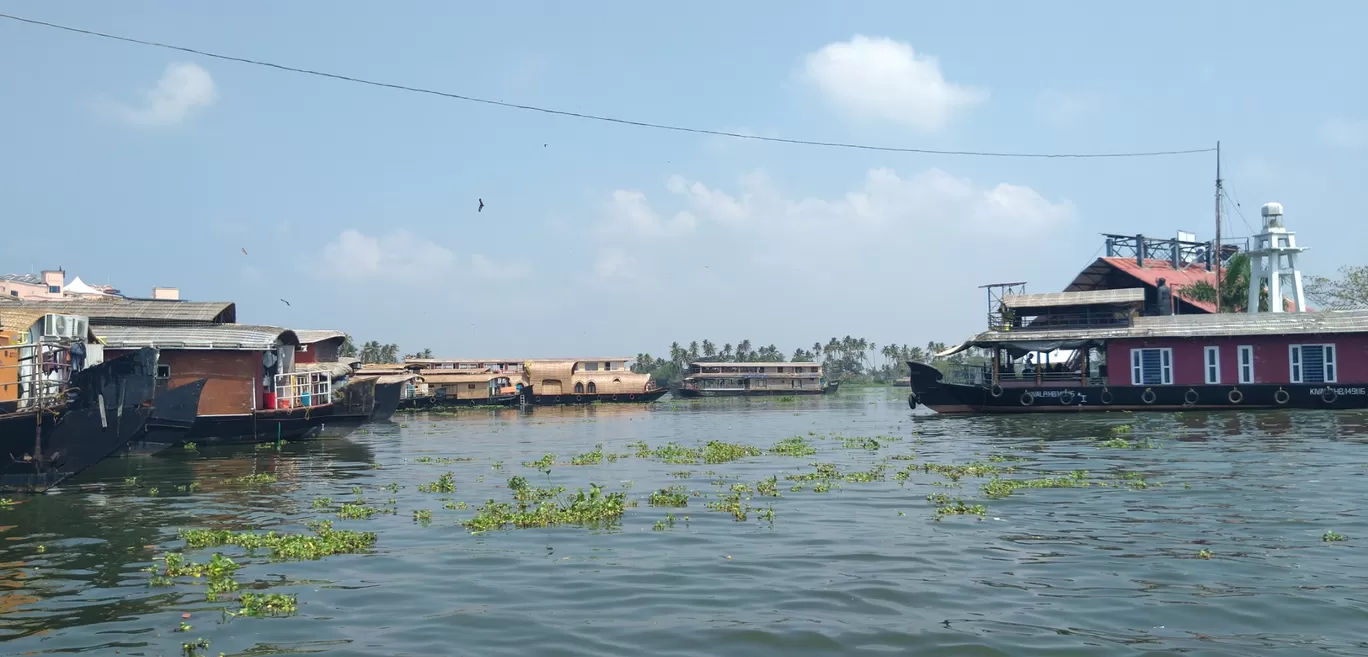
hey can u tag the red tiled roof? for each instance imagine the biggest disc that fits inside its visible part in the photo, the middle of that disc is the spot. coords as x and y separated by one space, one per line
1149 275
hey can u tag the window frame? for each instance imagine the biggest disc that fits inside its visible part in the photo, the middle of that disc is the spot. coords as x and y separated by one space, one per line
1245 351
1165 366
1211 364
163 367
1296 362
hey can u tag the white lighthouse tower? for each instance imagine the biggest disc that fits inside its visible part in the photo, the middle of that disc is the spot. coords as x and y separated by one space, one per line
1273 262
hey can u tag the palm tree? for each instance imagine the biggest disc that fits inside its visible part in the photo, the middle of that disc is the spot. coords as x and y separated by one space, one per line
1234 288
693 351
726 352
709 349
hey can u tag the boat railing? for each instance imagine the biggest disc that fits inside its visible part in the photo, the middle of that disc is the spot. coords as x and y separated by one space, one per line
1009 321
302 389
43 374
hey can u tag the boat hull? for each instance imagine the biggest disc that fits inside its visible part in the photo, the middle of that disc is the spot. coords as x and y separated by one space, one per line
691 393
533 398
82 433
386 401
259 427
930 391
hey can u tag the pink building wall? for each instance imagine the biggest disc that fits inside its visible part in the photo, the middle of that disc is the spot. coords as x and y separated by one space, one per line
1271 357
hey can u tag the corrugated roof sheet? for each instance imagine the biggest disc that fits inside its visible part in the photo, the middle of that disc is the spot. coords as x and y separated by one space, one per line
1079 298
335 370
21 319
1211 325
310 336
1149 275
208 337
31 279
116 310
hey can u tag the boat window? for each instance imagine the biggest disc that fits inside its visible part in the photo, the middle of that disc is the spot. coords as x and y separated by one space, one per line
1152 367
470 386
163 371
1313 363
579 388
1246 364
592 388
1212 360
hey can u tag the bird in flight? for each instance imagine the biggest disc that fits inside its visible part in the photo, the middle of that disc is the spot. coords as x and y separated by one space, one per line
285 302
244 250
481 208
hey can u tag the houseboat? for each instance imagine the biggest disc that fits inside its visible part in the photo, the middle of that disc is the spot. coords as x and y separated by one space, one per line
252 390
585 381
1100 350
709 379
63 405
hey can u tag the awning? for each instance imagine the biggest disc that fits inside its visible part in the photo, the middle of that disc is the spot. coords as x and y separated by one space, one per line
955 349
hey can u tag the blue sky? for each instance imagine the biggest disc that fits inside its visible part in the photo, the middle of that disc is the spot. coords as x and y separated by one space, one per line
139 166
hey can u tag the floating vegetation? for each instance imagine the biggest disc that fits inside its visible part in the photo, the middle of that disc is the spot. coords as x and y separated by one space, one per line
768 487
254 479
589 458
392 487
326 541
1332 537
184 627
497 465
904 457
667 523
543 507
939 499
268 604
423 516
675 496
195 648
870 444
824 471
7 503
641 449
444 484
682 474
959 508
152 492
1204 554
766 514
190 447
130 481
1122 443
873 474
714 451
356 511
443 459
1121 429
956 472
731 504
456 506
999 488
356 490
795 446
188 488
542 463
218 566
1134 480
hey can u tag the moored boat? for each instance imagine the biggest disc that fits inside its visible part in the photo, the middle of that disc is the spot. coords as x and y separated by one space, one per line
62 407
1103 350
754 379
585 381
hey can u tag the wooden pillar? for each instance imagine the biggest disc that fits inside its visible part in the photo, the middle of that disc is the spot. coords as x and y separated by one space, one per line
997 365
1085 367
1039 369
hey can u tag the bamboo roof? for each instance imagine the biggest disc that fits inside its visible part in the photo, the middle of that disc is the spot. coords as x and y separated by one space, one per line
1080 298
216 337
117 310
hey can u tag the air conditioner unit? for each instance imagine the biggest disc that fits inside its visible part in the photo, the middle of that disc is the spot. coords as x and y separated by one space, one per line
64 327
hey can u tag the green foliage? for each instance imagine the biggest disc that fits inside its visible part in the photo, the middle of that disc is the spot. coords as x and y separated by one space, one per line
544 507
444 484
674 496
1349 291
848 359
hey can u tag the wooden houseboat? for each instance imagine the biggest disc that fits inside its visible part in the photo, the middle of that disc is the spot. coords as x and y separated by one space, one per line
754 379
63 405
585 381
456 382
1117 351
252 392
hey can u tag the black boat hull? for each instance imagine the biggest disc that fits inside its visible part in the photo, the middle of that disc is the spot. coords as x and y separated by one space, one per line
690 393
110 406
259 427
532 398
929 390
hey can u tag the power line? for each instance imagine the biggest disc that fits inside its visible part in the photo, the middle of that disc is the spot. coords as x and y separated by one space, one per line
592 117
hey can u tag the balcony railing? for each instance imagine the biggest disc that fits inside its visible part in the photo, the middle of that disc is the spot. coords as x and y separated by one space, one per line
302 390
1007 321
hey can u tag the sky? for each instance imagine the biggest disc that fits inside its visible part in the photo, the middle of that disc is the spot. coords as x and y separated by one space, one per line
142 167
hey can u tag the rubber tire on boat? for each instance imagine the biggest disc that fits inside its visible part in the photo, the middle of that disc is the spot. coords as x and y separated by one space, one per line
1235 396
631 397
1190 397
579 398
1106 396
1281 397
1067 397
995 391
1027 398
1149 396
912 401
1329 396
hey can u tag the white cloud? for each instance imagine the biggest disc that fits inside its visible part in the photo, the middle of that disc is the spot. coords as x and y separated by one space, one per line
182 89
613 262
354 255
502 269
628 211
1064 108
879 78
1346 133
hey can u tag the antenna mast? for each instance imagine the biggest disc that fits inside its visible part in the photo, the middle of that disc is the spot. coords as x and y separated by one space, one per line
1219 250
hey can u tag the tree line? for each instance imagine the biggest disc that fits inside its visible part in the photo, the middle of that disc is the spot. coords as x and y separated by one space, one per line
848 359
1349 290
373 352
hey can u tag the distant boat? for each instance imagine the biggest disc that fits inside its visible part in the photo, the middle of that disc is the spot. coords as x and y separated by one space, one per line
755 379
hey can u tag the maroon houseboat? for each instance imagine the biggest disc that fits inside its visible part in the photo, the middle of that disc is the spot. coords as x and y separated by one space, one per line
1124 349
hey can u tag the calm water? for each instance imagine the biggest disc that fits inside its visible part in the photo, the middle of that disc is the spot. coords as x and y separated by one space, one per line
863 568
